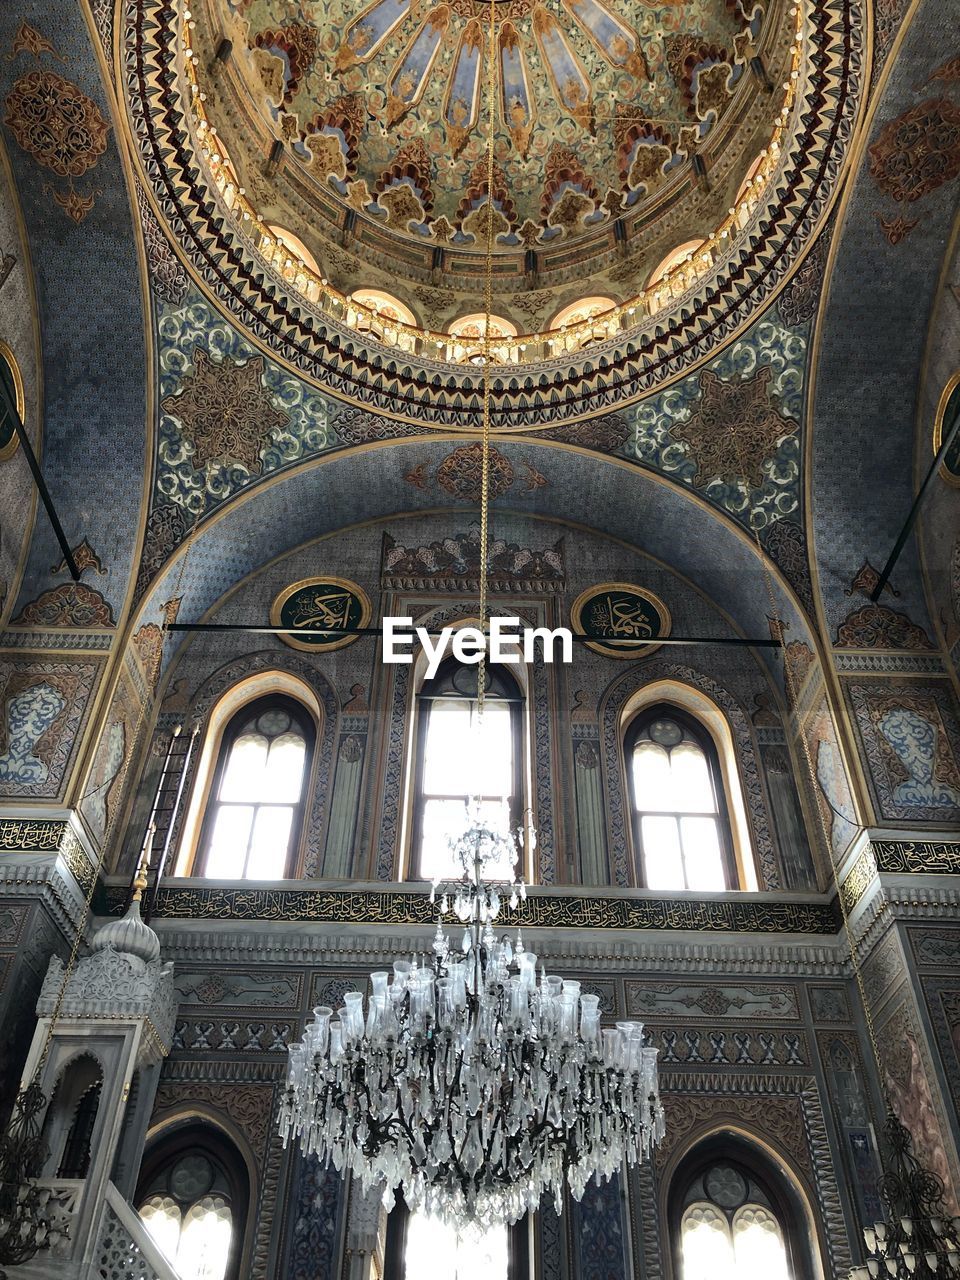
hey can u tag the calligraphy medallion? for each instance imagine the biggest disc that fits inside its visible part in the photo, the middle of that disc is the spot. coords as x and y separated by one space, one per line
327 607
627 621
947 410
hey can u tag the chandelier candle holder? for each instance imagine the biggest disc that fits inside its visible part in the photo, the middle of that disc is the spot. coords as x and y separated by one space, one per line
919 1240
466 1083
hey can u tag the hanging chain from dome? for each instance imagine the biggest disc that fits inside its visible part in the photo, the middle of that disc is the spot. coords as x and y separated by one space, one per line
487 388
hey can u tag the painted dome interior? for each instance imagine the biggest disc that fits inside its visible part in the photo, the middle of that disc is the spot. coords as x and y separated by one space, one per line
357 131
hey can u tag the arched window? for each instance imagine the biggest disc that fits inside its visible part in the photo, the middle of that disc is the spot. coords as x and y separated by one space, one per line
69 1123
418 1245
581 310
192 1197
680 827
733 1216
382 304
296 246
254 813
461 757
682 253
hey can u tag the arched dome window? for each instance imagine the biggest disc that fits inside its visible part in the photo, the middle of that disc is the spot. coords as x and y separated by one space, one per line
383 305
674 258
254 813
192 1197
460 757
474 327
296 246
680 825
580 311
734 1216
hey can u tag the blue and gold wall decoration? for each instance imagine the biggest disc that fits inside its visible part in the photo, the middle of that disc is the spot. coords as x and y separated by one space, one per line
333 603
626 619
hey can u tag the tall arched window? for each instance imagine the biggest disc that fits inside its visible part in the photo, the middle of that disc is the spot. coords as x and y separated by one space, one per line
680 826
461 757
733 1217
192 1197
254 813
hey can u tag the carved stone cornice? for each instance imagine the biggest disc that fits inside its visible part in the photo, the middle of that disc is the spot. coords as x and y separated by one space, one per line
620 954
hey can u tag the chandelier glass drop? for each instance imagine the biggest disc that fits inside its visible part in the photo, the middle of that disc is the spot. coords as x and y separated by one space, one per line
467 1082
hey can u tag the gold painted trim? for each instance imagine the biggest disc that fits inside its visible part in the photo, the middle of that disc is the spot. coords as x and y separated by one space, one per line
6 354
945 474
366 612
608 649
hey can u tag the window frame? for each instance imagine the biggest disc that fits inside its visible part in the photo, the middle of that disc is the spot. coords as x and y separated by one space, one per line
428 693
197 1136
254 708
395 1244
757 1167
704 739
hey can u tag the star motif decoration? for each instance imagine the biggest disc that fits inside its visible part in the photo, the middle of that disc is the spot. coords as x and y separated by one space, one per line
734 429
226 411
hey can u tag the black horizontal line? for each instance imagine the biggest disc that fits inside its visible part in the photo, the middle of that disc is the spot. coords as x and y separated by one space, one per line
582 637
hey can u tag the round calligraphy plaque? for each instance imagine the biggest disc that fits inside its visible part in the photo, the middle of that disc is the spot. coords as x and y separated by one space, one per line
626 620
328 607
13 386
946 412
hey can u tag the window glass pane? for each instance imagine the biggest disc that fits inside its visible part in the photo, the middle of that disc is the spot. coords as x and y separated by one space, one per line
284 769
442 819
205 1240
701 851
269 846
228 846
652 781
243 776
691 779
705 1245
758 1244
161 1217
435 1249
661 853
446 763
462 757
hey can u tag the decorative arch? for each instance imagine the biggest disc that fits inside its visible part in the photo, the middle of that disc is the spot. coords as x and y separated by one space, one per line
218 699
617 697
767 1169
73 1116
202 1136
538 781
705 711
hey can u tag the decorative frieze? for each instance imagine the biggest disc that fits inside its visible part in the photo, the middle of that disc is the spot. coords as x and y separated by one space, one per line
399 907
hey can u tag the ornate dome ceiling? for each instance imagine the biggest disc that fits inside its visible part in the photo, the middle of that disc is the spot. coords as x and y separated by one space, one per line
600 108
303 151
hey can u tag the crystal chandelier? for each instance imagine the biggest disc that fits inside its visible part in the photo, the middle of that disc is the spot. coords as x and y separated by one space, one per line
466 1082
920 1239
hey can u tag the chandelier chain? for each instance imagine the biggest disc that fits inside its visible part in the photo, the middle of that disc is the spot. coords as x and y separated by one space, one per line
487 350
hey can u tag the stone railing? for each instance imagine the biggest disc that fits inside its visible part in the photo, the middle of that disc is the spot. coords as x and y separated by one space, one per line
124 1249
